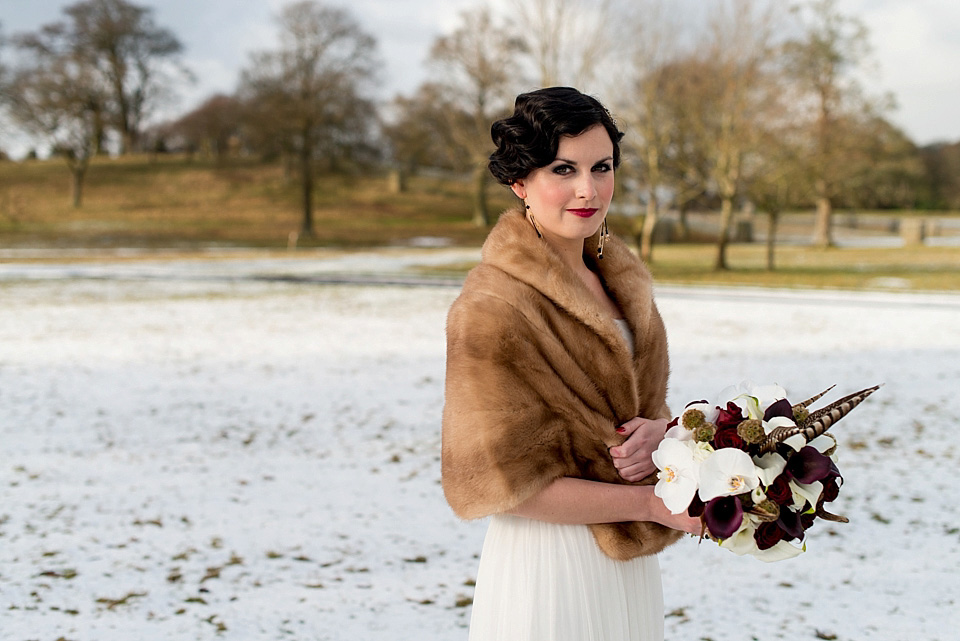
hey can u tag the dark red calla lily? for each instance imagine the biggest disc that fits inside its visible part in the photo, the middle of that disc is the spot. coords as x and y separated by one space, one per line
723 516
808 465
789 522
779 408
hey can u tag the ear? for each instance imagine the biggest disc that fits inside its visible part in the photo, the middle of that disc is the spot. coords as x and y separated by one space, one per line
519 189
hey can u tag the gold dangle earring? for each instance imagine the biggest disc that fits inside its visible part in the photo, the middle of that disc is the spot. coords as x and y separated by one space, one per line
532 220
604 233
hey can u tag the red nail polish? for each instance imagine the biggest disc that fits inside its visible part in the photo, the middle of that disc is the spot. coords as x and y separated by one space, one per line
621 429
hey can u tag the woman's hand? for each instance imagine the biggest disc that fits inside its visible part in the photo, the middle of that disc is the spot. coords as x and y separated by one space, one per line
682 521
633 458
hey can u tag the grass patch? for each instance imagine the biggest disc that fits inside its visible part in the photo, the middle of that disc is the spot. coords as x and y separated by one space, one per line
174 203
141 202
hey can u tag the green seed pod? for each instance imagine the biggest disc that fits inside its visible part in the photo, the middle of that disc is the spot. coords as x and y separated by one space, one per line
751 431
766 510
705 433
800 414
692 419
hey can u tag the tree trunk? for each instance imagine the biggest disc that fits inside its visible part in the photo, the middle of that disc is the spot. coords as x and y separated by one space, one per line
822 230
99 132
306 178
649 224
127 143
683 231
726 215
480 216
772 238
78 172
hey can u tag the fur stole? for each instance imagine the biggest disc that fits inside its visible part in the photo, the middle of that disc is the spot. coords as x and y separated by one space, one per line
539 377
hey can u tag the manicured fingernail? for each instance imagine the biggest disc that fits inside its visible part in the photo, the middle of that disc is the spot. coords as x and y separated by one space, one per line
621 429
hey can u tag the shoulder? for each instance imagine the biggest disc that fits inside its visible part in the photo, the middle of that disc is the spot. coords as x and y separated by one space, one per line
491 301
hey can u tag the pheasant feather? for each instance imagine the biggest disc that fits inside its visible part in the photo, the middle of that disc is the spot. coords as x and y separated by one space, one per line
819 421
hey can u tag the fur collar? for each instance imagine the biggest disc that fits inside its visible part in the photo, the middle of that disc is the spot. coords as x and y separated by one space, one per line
514 248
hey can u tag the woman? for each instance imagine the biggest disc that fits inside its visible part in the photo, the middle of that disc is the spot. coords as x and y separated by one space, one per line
555 394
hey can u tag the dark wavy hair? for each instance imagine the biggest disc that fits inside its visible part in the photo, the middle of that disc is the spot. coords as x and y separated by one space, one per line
529 139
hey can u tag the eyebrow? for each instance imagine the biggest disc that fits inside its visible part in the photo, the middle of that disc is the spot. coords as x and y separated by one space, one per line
574 162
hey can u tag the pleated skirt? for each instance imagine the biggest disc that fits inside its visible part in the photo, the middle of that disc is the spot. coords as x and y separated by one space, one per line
546 582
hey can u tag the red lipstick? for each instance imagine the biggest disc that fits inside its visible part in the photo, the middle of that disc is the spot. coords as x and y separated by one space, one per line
583 213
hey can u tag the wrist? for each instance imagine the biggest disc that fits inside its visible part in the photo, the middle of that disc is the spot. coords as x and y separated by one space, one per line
649 507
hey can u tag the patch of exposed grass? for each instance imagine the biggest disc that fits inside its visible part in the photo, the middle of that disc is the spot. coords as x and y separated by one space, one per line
141 202
174 202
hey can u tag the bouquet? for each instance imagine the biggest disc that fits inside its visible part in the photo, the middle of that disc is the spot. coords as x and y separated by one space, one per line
756 468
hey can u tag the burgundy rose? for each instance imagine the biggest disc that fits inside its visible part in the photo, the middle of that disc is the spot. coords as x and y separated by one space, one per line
723 516
806 520
729 417
768 535
780 492
831 487
729 438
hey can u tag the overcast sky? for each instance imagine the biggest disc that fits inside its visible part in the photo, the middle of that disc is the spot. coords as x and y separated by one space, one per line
916 45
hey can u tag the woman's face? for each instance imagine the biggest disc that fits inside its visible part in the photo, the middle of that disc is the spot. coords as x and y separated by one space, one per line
569 197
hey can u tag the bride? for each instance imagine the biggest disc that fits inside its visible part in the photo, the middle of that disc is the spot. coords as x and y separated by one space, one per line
555 394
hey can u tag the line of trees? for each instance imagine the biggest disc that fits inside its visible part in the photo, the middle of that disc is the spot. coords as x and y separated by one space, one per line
751 101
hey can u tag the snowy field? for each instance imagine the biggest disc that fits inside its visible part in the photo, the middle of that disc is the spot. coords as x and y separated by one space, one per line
209 450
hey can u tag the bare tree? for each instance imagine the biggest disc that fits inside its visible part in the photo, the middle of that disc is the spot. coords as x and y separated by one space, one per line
741 51
309 92
210 127
824 61
776 177
132 55
479 70
55 94
421 132
642 99
564 39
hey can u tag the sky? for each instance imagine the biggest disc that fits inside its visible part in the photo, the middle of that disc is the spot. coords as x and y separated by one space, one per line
916 46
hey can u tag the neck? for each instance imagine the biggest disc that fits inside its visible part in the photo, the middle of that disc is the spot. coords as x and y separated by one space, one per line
570 250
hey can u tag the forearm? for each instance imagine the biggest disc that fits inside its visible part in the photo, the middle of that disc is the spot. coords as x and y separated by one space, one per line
578 501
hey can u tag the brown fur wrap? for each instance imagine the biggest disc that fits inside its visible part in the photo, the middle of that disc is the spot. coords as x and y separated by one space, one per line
539 377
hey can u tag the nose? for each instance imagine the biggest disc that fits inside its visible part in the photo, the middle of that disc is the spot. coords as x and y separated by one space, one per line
586 187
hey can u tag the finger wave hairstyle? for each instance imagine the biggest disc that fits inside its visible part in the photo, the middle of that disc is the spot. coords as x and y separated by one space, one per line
529 139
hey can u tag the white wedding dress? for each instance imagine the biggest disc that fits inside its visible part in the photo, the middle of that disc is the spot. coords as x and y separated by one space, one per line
542 581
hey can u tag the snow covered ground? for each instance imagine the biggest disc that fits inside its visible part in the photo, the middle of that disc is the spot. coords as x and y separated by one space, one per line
212 450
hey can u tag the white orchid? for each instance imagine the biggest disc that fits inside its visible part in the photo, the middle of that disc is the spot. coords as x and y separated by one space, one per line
727 472
678 474
679 433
